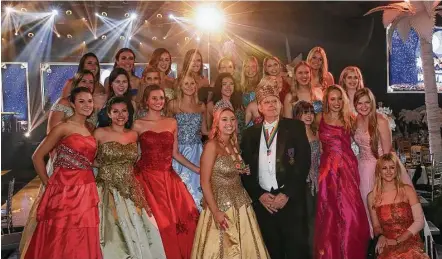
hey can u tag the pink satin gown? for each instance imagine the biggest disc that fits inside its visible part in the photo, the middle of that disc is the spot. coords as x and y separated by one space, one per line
67 216
341 226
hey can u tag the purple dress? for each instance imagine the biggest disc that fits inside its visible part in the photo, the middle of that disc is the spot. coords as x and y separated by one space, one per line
341 227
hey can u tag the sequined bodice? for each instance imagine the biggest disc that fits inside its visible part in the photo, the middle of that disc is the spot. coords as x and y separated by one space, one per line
156 150
362 138
189 128
248 98
75 152
334 138
226 184
314 167
394 218
116 170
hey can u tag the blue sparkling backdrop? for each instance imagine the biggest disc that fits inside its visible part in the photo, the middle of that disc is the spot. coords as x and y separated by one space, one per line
15 90
405 72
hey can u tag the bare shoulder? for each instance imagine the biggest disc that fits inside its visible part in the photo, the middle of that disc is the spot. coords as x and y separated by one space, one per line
63 101
211 145
288 97
409 190
202 107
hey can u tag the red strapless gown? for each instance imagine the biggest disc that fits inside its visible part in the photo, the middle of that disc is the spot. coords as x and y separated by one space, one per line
171 203
341 225
67 216
395 219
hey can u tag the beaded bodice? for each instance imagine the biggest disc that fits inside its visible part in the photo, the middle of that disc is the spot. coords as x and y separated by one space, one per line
116 170
189 128
156 150
362 138
312 177
75 152
226 184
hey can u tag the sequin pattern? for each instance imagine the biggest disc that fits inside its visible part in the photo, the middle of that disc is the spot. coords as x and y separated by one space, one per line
70 159
226 185
116 170
312 177
189 128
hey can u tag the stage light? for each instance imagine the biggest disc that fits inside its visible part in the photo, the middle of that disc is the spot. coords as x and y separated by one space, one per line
198 38
3 38
96 14
95 37
141 43
54 12
69 36
68 12
122 38
130 37
23 9
9 9
30 35
145 21
16 33
154 38
103 37
159 16
164 37
84 19
104 14
58 35
171 16
84 42
133 16
27 134
209 18
126 15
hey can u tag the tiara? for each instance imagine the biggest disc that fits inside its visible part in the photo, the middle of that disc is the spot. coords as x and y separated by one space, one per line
222 105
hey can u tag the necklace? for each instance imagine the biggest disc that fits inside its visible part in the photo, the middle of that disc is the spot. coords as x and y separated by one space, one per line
236 157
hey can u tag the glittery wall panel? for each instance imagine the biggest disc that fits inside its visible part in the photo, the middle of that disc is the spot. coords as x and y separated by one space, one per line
405 67
15 89
54 78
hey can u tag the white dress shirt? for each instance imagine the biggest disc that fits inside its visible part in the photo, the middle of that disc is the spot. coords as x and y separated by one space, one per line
267 164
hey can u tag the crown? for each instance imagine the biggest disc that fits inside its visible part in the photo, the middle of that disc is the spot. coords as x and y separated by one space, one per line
265 89
222 105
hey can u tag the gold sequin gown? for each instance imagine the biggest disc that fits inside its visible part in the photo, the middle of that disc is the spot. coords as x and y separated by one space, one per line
126 231
243 238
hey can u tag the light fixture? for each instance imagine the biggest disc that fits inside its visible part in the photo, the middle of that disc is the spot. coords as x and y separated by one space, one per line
68 12
27 134
23 9
9 9
154 38
69 36
84 19
126 15
164 37
95 37
171 16
58 35
122 38
84 42
54 12
133 16
198 38
16 33
96 14
104 14
103 37
30 35
159 16
141 43
209 18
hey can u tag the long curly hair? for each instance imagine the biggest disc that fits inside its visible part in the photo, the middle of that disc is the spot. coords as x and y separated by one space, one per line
378 184
155 59
345 114
295 85
323 70
373 130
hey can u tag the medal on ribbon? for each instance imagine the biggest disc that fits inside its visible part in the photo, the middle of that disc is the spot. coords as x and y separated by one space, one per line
269 137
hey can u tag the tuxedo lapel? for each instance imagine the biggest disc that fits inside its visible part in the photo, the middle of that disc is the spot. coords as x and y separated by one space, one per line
280 148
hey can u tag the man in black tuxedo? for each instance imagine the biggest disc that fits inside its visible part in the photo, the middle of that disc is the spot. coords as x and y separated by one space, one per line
278 153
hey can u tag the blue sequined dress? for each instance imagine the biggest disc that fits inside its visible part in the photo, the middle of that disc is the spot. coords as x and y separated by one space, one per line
248 98
190 146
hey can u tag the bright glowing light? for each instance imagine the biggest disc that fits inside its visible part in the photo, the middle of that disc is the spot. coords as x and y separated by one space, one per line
103 37
16 33
84 19
130 37
171 16
154 38
30 35
9 9
104 14
164 37
68 12
159 16
58 35
133 16
54 12
84 42
69 36
209 18
96 14
198 38
141 43
27 134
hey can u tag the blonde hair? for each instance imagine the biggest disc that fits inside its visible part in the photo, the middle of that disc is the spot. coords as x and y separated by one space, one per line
378 184
344 74
295 85
345 114
249 84
179 91
323 70
215 133
264 62
373 130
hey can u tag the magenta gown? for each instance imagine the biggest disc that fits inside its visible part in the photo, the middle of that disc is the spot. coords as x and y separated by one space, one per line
341 226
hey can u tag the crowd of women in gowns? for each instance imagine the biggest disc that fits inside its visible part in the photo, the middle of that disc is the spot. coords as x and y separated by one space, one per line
159 193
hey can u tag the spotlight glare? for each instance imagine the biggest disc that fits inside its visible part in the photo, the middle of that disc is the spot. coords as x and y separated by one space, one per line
130 37
104 14
84 19
159 16
16 33
27 134
54 12
9 9
84 42
164 37
69 36
68 12
209 18
198 38
171 16
30 35
96 14
95 37
58 35
141 43
133 16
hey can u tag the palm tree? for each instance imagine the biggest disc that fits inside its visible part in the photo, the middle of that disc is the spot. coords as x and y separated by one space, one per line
419 15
